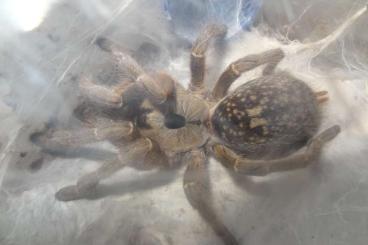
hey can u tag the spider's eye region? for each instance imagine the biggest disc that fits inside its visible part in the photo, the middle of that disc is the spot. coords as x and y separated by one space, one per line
174 121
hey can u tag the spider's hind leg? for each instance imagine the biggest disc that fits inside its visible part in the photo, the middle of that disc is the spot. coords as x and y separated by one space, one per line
198 192
297 160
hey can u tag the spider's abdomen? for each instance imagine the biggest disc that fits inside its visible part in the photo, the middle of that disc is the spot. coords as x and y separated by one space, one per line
268 117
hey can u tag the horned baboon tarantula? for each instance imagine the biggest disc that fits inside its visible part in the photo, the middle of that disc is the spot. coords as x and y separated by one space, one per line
266 125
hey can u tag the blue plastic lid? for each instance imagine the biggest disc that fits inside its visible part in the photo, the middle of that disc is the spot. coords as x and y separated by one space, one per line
189 16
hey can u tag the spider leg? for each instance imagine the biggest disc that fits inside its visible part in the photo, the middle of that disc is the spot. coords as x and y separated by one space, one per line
322 96
234 70
160 88
123 60
112 97
263 167
197 56
25 154
86 185
54 140
198 192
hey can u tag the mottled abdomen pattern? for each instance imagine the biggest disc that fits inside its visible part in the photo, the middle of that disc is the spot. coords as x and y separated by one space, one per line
268 117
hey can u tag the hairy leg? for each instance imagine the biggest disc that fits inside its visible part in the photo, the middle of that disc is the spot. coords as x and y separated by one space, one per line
263 167
107 96
197 56
54 140
24 153
112 96
159 88
198 192
123 60
235 69
86 185
322 96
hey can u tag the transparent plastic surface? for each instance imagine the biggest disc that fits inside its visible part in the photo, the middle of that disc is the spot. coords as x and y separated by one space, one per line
42 56
187 17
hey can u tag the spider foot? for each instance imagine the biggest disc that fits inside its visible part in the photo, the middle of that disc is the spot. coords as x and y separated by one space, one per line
25 154
148 236
73 192
321 96
316 144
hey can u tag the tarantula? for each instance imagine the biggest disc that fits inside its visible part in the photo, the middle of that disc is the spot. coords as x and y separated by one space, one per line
266 125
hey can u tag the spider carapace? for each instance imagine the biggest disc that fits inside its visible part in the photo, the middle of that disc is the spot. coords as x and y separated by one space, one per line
266 125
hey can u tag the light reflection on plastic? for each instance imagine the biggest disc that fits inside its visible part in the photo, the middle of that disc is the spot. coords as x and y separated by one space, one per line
26 15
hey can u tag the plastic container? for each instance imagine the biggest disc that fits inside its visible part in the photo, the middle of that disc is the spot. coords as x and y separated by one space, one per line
188 16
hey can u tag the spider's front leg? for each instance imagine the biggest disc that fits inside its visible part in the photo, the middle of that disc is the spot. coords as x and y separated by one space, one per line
235 69
110 97
198 192
197 56
159 88
59 139
130 154
263 167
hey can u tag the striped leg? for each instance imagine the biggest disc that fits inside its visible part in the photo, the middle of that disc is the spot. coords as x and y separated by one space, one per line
105 130
263 167
235 69
197 56
134 152
198 192
160 88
